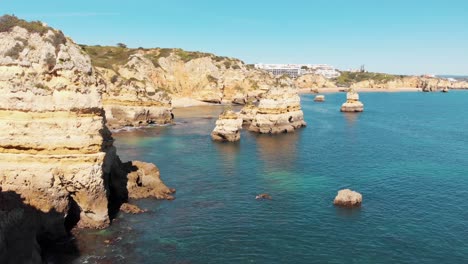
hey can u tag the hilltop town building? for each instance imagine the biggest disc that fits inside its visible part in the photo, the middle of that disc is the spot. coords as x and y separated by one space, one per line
296 70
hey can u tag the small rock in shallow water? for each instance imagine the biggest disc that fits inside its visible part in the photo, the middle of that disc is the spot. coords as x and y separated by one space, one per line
319 98
263 196
131 209
348 198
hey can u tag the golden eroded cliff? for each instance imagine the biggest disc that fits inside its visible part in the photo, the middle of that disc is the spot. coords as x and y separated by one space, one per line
56 152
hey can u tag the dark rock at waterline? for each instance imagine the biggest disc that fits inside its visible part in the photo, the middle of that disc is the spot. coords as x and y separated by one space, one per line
263 196
131 209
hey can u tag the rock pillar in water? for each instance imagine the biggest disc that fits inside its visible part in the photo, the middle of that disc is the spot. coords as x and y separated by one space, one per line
352 103
279 111
228 127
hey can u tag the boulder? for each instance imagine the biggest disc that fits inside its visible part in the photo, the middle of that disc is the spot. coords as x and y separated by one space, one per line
131 209
348 198
319 98
263 196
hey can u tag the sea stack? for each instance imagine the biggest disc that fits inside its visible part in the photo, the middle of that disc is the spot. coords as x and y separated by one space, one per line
228 127
348 198
352 103
319 98
279 111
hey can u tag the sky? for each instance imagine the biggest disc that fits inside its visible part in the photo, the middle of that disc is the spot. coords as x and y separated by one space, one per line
393 36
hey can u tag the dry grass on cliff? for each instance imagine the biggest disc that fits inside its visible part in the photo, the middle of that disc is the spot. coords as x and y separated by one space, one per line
8 22
108 56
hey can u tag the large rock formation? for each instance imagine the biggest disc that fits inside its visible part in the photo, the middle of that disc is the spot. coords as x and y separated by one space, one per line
352 103
348 198
180 74
279 111
228 127
54 144
55 149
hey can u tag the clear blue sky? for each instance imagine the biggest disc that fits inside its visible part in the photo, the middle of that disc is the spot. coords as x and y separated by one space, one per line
408 37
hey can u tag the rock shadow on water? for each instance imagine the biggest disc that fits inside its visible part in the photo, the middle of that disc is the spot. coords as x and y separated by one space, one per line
228 150
351 118
348 213
278 152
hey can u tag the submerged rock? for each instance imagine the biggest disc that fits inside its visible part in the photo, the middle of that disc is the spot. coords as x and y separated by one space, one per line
228 127
319 98
348 198
263 196
352 103
279 111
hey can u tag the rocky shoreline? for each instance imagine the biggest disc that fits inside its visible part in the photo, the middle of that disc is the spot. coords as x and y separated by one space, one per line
59 102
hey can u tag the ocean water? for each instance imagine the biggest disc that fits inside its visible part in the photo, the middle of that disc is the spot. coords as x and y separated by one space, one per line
407 154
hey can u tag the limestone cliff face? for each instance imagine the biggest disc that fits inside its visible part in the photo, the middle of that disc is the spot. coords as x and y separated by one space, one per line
426 84
247 113
131 98
54 144
180 74
279 111
313 81
56 151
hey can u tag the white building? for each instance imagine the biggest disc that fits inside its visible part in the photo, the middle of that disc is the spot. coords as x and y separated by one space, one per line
296 70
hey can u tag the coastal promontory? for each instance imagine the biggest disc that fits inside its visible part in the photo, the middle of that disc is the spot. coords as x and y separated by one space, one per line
56 152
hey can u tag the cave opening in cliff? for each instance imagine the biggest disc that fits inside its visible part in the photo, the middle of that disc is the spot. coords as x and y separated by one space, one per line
73 215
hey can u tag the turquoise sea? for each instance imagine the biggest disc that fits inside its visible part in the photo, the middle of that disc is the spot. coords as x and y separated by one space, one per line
407 154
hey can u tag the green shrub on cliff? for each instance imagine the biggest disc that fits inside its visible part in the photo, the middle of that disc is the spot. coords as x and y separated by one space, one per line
347 78
187 56
156 54
8 22
108 56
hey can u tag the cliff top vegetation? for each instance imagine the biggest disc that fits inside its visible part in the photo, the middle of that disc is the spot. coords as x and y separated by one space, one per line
109 56
8 22
347 78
